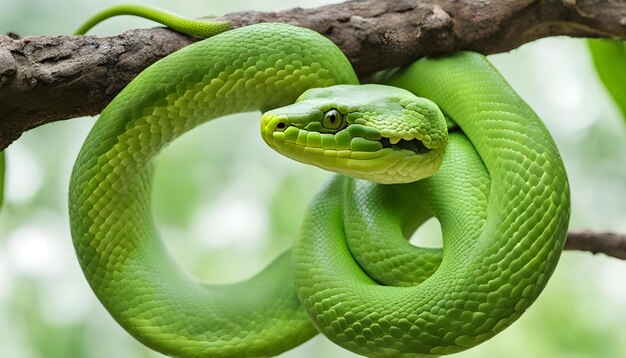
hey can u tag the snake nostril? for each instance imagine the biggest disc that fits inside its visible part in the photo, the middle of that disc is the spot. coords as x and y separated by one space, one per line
280 126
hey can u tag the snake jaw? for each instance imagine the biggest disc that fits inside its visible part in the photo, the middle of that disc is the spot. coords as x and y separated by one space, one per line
414 145
360 156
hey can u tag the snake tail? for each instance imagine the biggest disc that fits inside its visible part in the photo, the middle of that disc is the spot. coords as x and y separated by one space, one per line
198 28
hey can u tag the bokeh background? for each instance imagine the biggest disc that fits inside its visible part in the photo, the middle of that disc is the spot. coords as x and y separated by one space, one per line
227 205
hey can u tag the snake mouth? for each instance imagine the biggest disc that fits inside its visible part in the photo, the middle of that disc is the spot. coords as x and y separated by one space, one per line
414 145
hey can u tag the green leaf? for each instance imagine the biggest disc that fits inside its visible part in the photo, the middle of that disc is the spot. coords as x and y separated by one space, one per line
1 178
609 58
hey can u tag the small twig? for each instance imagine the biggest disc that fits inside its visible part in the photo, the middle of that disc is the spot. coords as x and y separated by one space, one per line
608 243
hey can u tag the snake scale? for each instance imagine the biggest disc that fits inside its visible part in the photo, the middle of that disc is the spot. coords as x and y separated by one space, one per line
500 192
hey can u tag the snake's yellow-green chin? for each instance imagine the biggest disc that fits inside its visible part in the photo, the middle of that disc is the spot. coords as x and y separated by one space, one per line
378 133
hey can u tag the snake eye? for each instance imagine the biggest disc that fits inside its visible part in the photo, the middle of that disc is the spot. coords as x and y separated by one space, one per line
333 119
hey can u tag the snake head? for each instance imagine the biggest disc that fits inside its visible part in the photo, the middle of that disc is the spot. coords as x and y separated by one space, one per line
374 132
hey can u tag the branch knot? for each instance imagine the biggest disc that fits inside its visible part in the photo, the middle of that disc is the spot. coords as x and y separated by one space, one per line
437 29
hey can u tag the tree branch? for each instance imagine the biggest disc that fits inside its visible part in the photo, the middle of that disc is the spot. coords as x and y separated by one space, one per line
608 243
50 78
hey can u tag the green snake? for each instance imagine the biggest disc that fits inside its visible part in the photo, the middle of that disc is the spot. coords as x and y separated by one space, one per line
500 192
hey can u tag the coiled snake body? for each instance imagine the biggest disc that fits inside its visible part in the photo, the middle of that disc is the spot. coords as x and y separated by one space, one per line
501 196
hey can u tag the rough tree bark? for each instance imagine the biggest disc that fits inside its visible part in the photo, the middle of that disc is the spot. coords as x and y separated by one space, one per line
49 78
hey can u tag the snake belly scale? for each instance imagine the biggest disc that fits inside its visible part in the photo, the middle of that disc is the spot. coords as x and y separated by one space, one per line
503 206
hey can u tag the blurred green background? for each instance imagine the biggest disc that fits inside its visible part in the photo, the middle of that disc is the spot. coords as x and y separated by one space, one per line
227 212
